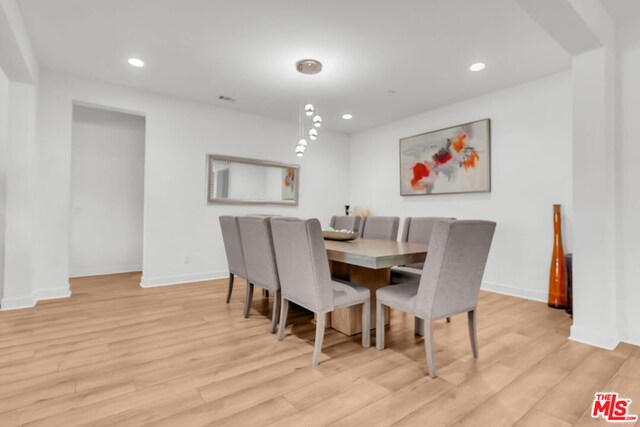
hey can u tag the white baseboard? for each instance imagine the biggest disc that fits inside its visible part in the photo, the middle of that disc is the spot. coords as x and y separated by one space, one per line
603 338
18 303
514 291
630 335
180 279
101 271
46 294
632 341
32 300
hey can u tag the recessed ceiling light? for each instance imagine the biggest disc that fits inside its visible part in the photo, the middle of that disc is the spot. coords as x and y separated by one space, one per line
347 116
135 62
477 66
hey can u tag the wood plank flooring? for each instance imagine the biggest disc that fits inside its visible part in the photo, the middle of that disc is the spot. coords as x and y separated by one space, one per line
117 354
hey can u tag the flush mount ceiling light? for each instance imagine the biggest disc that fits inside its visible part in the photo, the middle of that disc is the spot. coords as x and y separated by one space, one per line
308 116
136 62
477 66
347 116
309 66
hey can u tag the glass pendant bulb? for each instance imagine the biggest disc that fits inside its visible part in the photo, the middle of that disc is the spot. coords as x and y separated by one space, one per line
313 134
302 142
317 121
308 109
300 149
299 154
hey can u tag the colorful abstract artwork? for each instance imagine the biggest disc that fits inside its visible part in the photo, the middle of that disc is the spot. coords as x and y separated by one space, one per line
451 160
288 184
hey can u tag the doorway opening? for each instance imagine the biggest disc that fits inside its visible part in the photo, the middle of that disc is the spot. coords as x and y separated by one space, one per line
107 192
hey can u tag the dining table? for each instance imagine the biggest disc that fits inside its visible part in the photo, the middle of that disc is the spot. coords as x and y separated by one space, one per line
367 262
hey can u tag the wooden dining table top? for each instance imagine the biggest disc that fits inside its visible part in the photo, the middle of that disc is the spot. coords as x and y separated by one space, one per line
375 254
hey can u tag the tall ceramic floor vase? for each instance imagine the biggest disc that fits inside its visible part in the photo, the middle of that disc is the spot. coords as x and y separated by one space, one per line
558 273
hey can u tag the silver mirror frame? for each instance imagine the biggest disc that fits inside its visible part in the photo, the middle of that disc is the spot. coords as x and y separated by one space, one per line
257 162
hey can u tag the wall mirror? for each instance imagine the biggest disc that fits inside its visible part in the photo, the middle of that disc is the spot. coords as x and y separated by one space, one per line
243 181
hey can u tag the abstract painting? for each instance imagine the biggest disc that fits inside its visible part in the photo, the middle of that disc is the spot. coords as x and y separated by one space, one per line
288 184
451 160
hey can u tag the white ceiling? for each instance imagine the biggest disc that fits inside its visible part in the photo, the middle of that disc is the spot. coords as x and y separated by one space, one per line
622 10
199 49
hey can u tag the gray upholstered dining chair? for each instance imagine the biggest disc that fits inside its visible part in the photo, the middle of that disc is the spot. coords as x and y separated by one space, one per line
450 282
346 222
415 230
260 260
233 249
380 227
305 280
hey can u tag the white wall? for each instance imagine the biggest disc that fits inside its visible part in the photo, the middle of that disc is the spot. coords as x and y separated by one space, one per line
4 136
596 274
18 100
107 192
182 239
20 198
17 56
531 157
630 253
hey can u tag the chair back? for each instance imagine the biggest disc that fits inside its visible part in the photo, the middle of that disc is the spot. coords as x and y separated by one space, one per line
380 227
302 262
259 255
233 245
346 222
418 230
454 267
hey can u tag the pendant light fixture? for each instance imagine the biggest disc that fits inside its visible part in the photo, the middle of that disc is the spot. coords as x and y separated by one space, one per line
310 120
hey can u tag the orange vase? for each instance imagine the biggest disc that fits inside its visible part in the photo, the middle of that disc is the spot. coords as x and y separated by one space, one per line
558 274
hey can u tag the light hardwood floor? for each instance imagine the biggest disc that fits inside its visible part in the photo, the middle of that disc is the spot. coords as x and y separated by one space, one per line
117 354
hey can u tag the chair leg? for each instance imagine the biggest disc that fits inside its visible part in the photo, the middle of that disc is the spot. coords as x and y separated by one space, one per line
230 287
283 318
379 325
471 316
248 300
274 316
317 348
448 319
265 293
429 349
419 326
366 324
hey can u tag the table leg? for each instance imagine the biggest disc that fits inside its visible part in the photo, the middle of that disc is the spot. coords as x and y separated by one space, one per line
349 320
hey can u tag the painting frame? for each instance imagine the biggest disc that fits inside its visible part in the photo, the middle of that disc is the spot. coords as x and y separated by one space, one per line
486 187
